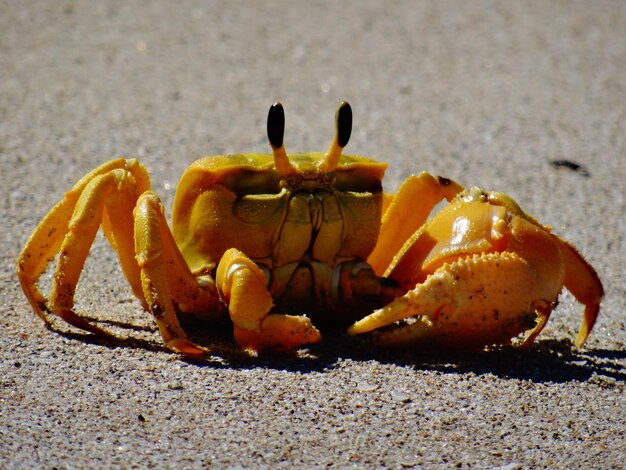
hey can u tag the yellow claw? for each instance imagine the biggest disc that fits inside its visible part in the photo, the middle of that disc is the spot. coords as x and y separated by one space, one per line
469 303
481 272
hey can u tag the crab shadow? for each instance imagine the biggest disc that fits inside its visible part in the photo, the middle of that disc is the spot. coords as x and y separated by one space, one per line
547 360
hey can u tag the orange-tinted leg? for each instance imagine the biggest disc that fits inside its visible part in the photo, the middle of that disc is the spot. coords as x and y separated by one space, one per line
47 238
407 212
165 276
136 228
114 187
584 284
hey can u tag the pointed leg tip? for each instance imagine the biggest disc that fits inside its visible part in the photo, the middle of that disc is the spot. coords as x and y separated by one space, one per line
580 340
355 329
187 348
81 323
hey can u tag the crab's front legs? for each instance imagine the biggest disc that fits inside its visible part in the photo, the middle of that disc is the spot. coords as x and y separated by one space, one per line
243 287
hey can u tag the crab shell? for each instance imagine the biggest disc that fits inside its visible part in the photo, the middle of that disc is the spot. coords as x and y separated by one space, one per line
237 201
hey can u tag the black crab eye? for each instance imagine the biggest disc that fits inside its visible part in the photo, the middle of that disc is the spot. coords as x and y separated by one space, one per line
276 125
344 123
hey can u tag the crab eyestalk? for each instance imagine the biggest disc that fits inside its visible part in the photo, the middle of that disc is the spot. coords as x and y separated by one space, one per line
275 133
343 129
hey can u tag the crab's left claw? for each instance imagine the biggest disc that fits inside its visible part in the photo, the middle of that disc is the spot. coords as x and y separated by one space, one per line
480 273
472 302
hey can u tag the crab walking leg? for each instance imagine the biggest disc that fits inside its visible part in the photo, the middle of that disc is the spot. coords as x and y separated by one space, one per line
183 285
584 284
46 239
40 250
104 189
156 254
407 212
118 222
243 286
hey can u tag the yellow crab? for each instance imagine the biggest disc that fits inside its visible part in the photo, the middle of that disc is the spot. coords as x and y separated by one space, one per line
285 243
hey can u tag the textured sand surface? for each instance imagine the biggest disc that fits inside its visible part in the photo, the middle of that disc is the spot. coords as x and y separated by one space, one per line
486 93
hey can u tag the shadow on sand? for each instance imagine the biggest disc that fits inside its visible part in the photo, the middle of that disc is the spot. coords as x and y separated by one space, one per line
547 360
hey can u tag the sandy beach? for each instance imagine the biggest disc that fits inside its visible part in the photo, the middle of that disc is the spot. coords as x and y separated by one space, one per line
528 98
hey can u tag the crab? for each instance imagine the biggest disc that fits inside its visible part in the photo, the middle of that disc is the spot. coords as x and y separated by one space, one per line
286 244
